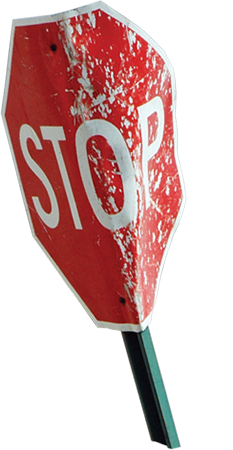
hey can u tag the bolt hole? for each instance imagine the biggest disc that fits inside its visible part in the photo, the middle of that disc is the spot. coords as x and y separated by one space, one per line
53 47
122 300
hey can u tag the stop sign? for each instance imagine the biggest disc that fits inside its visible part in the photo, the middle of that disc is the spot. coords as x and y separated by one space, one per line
89 112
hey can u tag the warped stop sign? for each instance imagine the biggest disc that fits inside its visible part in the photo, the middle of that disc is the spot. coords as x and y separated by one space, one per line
89 110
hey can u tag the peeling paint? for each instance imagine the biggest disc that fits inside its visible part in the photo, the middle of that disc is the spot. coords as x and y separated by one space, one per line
105 71
91 20
79 28
157 183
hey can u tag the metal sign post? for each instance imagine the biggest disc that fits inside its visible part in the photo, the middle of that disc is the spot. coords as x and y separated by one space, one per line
150 387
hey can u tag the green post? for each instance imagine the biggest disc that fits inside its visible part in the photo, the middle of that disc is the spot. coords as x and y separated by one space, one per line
150 387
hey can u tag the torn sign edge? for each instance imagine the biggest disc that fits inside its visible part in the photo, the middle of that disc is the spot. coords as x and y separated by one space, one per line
64 16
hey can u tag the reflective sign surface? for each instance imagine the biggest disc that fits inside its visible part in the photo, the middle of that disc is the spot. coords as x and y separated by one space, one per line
89 111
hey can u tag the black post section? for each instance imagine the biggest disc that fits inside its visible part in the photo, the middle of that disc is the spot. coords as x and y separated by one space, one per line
150 388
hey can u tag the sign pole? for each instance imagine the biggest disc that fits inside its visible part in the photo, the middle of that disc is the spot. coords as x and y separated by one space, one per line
154 401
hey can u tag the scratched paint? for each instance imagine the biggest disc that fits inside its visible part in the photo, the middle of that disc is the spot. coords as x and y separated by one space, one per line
105 82
103 69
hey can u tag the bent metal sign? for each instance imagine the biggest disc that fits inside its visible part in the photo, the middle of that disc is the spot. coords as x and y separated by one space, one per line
89 112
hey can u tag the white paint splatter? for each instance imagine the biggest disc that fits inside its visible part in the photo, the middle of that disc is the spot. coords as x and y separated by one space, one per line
84 80
92 20
152 175
160 232
114 92
96 170
129 142
69 29
112 77
154 63
157 184
102 111
99 99
138 302
68 43
126 123
112 189
79 28
127 255
74 111
130 110
157 207
97 150
131 38
111 200
93 159
168 183
107 71
149 50
164 76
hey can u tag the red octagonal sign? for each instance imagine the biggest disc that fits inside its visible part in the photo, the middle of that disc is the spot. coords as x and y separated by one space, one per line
89 111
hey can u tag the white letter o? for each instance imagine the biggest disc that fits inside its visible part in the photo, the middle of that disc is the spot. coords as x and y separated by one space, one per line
116 141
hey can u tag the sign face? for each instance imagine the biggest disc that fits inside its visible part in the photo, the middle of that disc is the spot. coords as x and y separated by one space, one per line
89 112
